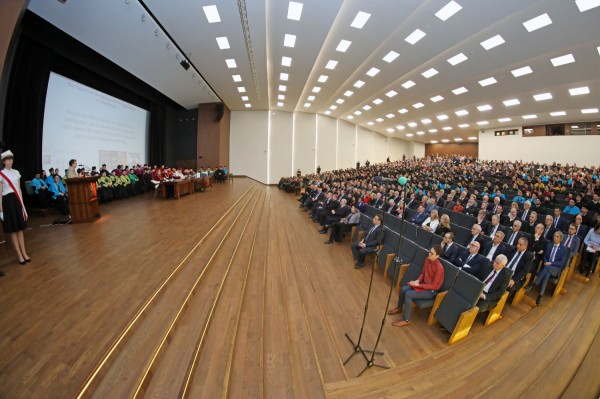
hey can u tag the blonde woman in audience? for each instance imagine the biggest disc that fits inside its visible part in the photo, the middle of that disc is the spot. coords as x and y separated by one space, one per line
432 222
444 226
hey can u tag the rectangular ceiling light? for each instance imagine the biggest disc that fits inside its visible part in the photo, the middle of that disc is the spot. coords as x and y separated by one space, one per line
461 112
343 46
432 130
223 43
390 116
457 59
412 124
585 5
426 121
448 10
445 141
372 72
460 90
485 107
289 40
442 117
212 14
402 110
340 101
236 78
437 98
414 37
331 64
409 134
244 98
504 120
348 93
391 93
281 97
366 107
306 105
589 111
537 22
358 84
230 63
487 82
472 138
310 98
390 130
429 73
418 105
420 133
357 113
458 139
511 102
377 101
433 142
562 60
542 96
327 112
283 76
492 42
558 113
579 91
294 11
521 71
408 84
379 120
483 123
241 89
360 20
391 56
286 61
463 125
323 78
400 127
333 107
280 104
248 105
316 89
282 88
447 128
370 123
530 116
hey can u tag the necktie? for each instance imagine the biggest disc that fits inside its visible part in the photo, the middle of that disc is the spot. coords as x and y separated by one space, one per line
515 261
568 244
490 278
553 253
555 222
512 238
369 233
524 215
468 259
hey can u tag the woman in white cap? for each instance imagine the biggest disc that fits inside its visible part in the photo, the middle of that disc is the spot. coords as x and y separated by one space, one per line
12 208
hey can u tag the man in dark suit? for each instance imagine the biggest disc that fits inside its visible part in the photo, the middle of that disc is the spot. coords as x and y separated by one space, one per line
493 227
481 220
335 214
580 228
529 225
420 217
390 207
519 264
470 208
498 247
559 222
572 242
469 259
378 203
368 244
588 216
513 236
555 259
496 279
549 227
475 236
449 248
526 212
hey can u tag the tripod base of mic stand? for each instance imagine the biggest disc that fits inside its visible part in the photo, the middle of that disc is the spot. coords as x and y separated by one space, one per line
358 349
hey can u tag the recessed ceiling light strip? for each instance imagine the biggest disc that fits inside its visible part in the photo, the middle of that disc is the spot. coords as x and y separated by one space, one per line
248 41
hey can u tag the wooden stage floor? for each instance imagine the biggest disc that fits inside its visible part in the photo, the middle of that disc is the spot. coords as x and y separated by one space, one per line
232 293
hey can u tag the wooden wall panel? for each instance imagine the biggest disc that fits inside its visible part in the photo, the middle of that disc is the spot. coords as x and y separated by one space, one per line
466 149
213 136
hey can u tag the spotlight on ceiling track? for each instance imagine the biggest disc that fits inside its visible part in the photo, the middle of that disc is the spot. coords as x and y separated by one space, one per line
185 65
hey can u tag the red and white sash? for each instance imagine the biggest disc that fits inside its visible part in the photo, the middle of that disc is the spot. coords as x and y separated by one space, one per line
16 193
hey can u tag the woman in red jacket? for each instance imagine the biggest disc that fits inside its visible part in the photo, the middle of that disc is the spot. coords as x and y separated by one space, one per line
425 287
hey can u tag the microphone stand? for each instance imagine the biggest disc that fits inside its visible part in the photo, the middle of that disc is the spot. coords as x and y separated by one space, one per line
397 260
356 346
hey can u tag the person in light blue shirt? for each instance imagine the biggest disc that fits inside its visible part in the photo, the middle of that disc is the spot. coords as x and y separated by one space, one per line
519 199
60 195
571 209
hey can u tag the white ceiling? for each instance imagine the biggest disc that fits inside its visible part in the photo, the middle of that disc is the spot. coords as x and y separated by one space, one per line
129 33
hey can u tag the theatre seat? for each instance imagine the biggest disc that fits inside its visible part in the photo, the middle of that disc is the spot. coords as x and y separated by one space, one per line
450 273
457 311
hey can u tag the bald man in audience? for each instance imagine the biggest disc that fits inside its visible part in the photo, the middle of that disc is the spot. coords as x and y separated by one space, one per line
496 278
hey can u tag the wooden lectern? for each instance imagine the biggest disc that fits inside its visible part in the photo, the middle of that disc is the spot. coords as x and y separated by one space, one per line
83 199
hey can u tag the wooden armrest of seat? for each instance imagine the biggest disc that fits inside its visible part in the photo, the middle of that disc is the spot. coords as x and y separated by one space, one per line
403 268
436 304
463 326
496 314
521 292
388 261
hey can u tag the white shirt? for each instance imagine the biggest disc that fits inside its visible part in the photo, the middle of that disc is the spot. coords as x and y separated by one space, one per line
489 284
14 177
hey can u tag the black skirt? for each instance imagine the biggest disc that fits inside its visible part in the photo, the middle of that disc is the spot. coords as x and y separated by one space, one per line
13 214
